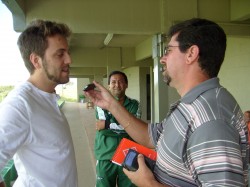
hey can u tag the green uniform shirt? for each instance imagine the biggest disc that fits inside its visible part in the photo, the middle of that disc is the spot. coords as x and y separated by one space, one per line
107 140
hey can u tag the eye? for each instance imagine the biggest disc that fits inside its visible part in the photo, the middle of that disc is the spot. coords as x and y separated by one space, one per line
121 82
60 54
166 50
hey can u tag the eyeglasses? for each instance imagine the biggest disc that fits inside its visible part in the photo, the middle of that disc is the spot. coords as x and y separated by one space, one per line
167 48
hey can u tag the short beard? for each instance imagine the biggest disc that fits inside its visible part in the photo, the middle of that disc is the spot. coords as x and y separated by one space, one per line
52 77
167 79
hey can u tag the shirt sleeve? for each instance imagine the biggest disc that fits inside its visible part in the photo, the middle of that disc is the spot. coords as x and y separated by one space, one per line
155 131
214 155
100 114
14 130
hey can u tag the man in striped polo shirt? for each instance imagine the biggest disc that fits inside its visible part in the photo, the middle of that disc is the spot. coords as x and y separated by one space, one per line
203 139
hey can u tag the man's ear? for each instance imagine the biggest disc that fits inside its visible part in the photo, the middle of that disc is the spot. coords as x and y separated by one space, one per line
35 60
193 54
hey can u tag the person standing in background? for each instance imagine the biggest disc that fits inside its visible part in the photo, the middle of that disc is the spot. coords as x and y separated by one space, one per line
33 129
109 134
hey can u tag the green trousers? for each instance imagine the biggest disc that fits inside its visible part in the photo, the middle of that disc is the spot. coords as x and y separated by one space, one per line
109 174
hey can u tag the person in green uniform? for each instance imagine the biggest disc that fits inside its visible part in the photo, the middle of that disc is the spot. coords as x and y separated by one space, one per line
109 134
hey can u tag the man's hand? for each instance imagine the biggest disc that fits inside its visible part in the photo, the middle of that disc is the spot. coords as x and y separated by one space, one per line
100 124
143 177
101 97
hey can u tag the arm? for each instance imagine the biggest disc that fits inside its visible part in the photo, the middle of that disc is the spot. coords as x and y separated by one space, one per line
143 177
13 131
100 118
136 128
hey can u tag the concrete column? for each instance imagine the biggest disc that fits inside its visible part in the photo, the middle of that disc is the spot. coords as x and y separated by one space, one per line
159 91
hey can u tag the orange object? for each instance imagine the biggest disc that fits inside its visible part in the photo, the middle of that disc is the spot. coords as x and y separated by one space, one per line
127 144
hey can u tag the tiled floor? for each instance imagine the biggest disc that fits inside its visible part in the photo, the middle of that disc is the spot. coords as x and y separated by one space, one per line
82 125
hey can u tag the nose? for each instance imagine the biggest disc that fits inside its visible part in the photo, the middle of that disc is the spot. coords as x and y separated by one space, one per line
68 59
117 84
163 60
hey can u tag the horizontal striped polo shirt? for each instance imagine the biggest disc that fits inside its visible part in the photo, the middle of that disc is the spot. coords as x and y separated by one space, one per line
202 141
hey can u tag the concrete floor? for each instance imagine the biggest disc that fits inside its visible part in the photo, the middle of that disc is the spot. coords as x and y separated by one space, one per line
82 126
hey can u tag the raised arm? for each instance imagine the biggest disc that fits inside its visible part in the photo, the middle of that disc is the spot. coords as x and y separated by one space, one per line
136 128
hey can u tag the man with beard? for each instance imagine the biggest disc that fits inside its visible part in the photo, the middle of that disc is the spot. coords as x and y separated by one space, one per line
109 134
203 139
33 129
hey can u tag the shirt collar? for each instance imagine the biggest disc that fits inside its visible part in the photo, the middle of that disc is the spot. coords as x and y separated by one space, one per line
126 100
201 88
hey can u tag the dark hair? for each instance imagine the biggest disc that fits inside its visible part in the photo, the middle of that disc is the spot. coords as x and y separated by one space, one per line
34 39
208 36
120 73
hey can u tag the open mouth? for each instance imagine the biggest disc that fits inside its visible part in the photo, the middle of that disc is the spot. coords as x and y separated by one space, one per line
65 69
